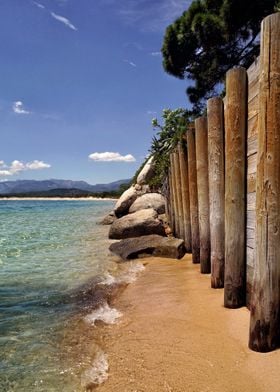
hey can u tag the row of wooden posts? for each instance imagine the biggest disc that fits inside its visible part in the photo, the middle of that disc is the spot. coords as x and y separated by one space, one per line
207 198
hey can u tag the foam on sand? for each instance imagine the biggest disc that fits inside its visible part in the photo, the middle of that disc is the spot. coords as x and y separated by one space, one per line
103 313
97 373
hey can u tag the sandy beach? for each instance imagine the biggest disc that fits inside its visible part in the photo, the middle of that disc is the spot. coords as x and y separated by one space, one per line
176 336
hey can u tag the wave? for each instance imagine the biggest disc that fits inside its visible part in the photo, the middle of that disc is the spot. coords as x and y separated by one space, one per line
103 313
97 373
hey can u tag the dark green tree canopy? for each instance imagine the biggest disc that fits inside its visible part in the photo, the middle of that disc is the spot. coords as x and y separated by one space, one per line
211 37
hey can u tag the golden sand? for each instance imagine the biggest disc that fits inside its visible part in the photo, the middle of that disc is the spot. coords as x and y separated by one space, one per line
176 336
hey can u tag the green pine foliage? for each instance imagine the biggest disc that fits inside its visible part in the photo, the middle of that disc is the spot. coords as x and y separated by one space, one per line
211 37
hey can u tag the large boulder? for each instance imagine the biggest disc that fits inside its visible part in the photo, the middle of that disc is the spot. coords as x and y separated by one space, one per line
149 200
125 201
139 223
146 173
154 245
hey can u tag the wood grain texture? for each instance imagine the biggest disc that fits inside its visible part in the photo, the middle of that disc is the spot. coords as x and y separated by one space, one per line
252 145
253 125
253 107
178 191
215 116
201 143
176 230
170 203
265 303
183 160
251 182
193 194
235 158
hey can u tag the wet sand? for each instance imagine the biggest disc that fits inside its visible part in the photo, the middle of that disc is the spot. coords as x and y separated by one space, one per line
176 336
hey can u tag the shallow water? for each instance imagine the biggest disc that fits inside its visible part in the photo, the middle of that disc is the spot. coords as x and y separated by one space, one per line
54 264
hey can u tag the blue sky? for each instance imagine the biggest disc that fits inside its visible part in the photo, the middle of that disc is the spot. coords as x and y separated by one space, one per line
80 78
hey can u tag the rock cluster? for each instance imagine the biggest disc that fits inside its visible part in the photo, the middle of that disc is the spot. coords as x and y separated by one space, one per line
139 221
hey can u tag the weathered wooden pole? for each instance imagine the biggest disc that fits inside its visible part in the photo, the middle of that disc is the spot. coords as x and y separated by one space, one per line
216 167
235 157
183 159
170 203
265 303
201 143
193 194
178 187
174 197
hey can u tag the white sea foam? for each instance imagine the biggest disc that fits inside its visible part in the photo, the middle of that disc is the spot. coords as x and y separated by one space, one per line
108 280
97 373
132 272
103 313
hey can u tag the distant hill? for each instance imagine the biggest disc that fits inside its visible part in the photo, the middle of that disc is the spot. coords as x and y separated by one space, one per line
27 186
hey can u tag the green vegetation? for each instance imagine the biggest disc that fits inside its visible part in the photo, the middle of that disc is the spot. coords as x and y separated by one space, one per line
169 133
211 37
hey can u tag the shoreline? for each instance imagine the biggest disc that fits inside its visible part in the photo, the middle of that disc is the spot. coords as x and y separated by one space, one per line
58 198
176 336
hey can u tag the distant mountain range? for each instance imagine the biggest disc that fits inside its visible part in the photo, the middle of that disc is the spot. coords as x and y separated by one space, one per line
26 186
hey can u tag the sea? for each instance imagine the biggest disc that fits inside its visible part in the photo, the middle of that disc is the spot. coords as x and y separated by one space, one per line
57 281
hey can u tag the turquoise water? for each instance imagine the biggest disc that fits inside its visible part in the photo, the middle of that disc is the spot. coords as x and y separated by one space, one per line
53 260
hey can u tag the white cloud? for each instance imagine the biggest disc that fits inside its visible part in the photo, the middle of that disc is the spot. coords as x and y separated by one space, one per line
39 5
19 109
151 112
155 53
64 20
5 173
17 166
130 63
111 157
37 165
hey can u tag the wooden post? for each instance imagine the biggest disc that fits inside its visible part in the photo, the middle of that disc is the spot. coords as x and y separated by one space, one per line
183 159
178 187
265 303
174 197
235 156
193 194
215 115
170 203
201 143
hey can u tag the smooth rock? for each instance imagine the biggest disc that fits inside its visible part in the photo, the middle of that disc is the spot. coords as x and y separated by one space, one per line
108 219
139 223
125 201
149 200
153 245
146 173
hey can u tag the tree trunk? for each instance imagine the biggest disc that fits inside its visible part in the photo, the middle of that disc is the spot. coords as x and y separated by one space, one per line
265 302
215 115
235 156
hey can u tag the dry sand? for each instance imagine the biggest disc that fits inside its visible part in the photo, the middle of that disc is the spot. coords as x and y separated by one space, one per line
176 336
